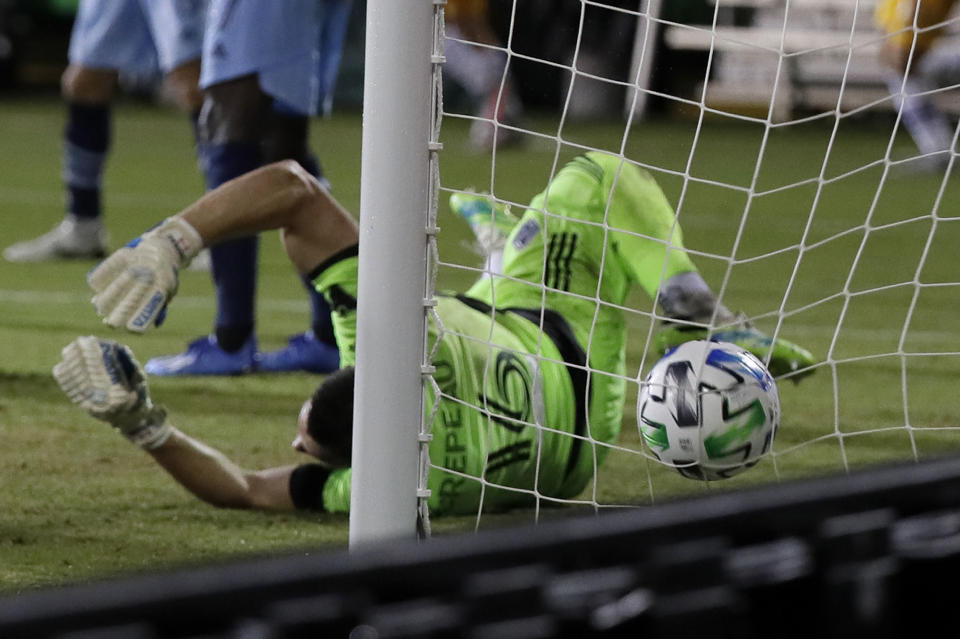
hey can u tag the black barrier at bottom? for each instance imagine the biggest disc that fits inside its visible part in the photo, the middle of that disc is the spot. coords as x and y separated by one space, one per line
871 552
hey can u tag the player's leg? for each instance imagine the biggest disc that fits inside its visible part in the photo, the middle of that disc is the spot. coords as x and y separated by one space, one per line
480 71
82 233
107 35
296 83
315 349
287 137
942 64
88 93
228 138
181 88
904 52
230 130
241 83
929 127
177 31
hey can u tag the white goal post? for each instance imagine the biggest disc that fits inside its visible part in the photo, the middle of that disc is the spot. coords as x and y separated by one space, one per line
394 201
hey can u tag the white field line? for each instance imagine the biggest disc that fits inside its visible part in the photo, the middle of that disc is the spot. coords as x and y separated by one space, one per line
55 298
288 305
167 200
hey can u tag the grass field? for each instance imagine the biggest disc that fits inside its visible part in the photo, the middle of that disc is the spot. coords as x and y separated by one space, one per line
79 502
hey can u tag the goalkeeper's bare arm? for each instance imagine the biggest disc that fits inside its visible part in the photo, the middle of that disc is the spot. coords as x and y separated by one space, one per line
279 196
105 379
133 286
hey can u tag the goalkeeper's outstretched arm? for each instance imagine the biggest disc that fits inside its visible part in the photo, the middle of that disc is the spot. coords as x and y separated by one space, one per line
214 478
104 378
133 286
278 196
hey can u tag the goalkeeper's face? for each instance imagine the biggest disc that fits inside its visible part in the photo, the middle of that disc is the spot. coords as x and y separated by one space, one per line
305 443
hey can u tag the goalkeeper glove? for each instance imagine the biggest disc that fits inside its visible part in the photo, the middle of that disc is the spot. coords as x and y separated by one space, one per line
103 377
133 286
784 356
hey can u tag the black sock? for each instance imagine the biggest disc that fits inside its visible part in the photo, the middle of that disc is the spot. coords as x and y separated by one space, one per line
86 141
324 332
232 338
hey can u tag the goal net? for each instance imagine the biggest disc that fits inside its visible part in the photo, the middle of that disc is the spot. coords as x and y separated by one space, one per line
777 138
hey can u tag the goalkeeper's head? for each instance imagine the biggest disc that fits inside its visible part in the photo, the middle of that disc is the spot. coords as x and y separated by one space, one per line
325 425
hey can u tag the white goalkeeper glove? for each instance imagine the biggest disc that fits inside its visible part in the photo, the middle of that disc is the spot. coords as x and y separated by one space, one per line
103 377
133 286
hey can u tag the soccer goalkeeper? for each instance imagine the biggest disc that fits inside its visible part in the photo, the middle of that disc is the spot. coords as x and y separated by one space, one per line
522 407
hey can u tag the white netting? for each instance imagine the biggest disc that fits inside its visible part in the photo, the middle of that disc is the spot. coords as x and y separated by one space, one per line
773 131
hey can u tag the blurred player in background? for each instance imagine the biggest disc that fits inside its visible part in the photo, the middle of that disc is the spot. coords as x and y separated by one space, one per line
481 69
110 37
529 393
911 51
267 67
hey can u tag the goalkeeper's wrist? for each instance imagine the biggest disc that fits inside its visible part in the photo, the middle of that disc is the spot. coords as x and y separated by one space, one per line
152 432
181 237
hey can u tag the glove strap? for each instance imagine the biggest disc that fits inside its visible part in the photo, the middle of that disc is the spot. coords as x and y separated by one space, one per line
154 432
183 238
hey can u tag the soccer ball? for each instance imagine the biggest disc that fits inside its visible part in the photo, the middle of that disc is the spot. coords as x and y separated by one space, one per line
709 409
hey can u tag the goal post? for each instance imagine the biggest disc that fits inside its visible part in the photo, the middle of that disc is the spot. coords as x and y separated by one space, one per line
394 200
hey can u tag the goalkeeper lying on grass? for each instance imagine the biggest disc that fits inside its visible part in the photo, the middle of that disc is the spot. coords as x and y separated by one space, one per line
528 396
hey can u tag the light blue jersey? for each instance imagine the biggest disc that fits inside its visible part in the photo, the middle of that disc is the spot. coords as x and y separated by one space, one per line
137 36
293 46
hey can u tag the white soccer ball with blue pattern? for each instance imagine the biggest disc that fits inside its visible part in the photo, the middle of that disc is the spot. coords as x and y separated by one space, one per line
709 409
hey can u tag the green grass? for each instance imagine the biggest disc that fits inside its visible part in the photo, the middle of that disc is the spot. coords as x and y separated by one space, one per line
79 502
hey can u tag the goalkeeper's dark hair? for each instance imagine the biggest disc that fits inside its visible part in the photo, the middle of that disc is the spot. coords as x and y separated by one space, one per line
330 422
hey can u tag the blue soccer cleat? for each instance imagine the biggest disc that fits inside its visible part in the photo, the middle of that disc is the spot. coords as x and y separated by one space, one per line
303 352
205 357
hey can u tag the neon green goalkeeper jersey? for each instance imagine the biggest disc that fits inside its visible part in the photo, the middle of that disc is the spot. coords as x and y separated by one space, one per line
600 225
521 413
497 384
